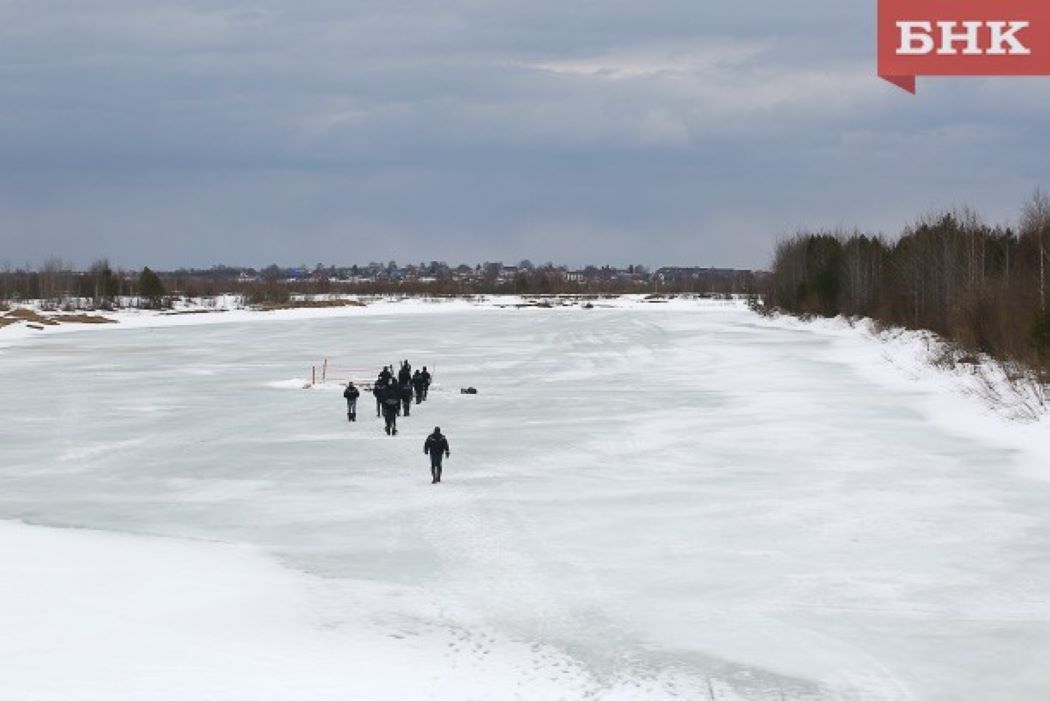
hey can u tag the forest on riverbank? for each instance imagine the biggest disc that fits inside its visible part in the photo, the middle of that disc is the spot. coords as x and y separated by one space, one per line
981 287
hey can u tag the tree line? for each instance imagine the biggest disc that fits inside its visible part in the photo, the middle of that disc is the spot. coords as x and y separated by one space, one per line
102 287
57 286
981 287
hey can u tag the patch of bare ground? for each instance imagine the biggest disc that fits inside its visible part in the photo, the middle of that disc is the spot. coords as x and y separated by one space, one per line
83 319
309 304
29 315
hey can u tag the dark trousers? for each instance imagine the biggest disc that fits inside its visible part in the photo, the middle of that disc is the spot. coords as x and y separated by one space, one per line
406 405
419 395
379 406
390 414
435 467
351 409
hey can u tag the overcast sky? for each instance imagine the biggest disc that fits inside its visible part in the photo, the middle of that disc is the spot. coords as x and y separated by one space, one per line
197 132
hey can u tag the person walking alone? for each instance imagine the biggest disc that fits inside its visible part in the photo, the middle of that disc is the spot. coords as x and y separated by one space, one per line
436 446
351 394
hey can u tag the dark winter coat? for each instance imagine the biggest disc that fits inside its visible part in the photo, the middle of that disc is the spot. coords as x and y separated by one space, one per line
351 392
426 378
418 381
436 444
391 400
391 395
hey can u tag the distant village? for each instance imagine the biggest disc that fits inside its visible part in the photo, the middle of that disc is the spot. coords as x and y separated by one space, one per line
101 285
495 278
499 273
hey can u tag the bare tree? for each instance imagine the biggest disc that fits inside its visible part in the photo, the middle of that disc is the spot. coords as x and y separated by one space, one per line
1035 222
104 284
51 281
6 280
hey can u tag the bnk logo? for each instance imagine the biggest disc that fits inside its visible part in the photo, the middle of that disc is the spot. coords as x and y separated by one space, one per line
917 38
962 37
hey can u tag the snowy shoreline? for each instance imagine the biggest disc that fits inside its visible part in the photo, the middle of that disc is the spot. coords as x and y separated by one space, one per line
967 400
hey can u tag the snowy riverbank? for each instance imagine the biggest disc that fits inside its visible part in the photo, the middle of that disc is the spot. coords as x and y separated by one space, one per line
974 398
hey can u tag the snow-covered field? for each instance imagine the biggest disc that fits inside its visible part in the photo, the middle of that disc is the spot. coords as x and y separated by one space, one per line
644 501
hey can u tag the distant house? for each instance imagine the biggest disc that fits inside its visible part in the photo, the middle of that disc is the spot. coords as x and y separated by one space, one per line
705 274
722 280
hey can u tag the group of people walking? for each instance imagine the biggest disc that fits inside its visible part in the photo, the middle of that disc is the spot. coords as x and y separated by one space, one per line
394 396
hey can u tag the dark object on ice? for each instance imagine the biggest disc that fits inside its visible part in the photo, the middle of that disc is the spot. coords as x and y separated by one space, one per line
404 375
436 446
588 306
468 390
36 327
351 394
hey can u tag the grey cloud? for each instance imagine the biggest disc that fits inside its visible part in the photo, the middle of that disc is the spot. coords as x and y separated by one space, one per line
176 133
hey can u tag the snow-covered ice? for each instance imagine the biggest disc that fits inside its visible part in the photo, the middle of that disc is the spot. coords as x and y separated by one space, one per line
645 501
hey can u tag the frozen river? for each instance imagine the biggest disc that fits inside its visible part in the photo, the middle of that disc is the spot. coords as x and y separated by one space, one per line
641 503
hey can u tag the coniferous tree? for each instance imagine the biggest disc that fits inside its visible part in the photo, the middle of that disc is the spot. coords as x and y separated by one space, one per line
151 288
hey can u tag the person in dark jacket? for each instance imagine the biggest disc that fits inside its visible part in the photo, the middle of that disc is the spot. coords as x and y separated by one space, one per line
377 392
426 382
351 394
418 384
385 375
404 375
406 397
436 446
391 404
